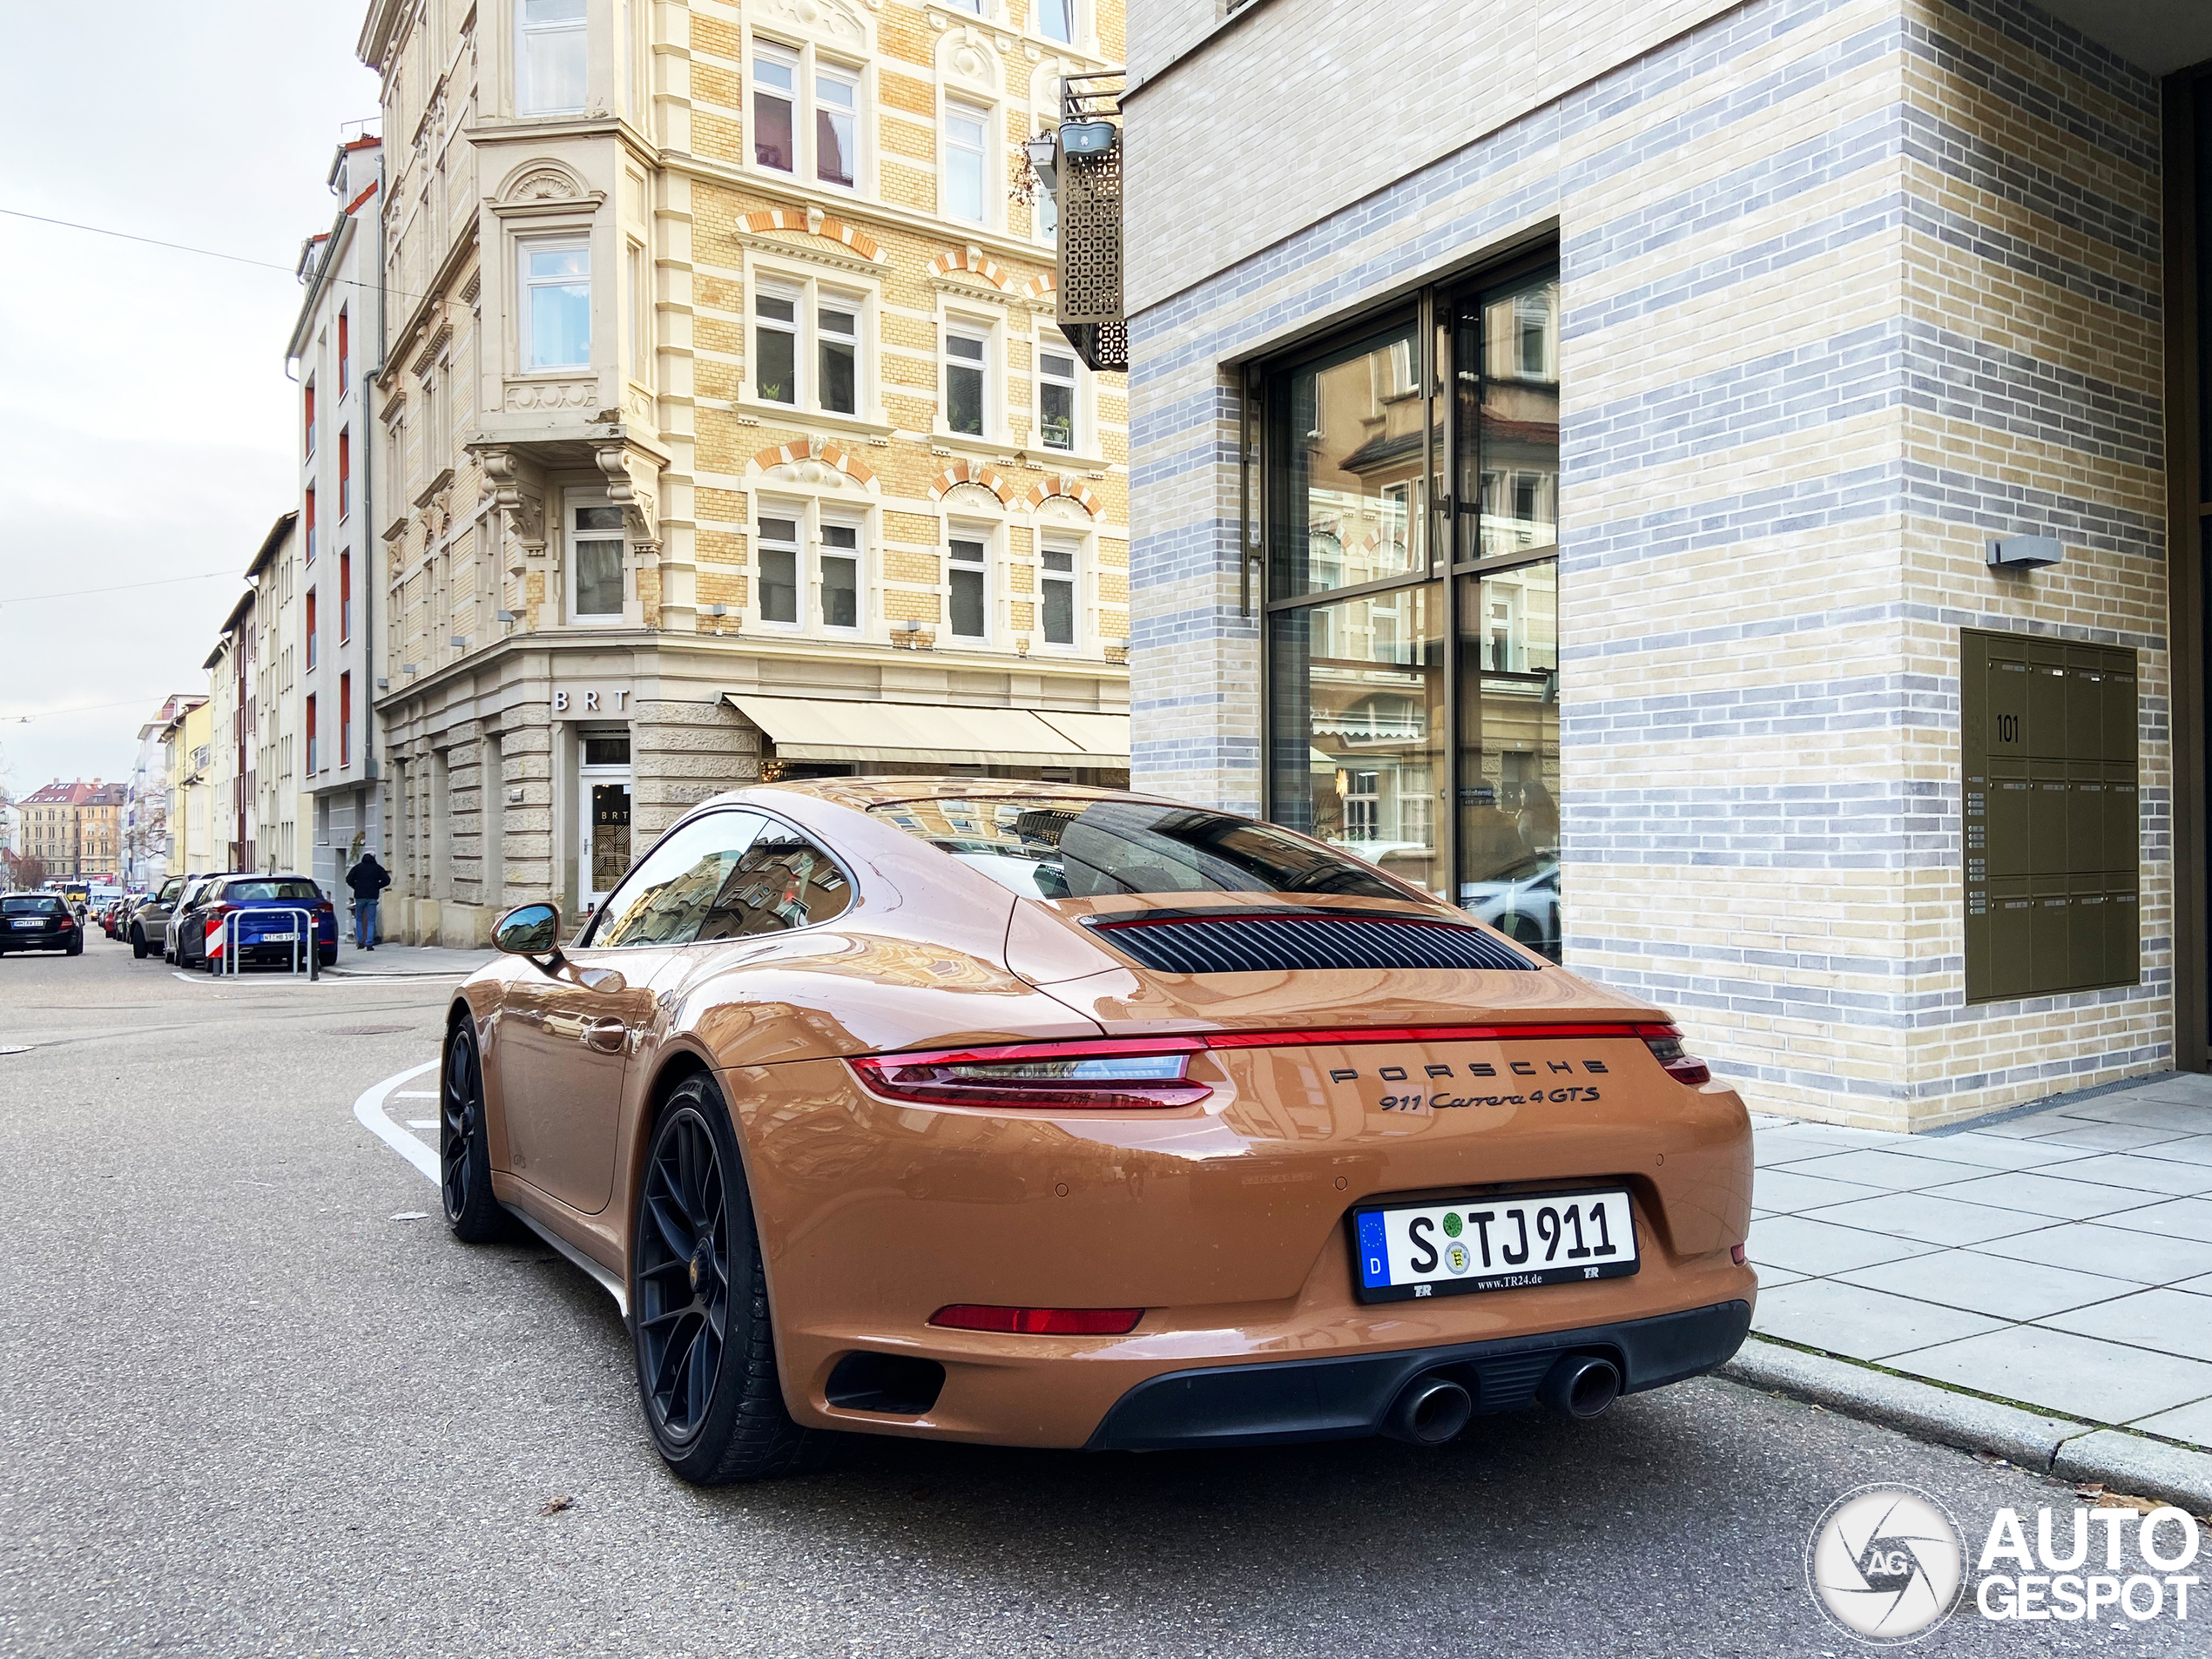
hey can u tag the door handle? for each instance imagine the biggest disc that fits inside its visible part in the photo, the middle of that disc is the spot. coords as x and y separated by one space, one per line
608 1036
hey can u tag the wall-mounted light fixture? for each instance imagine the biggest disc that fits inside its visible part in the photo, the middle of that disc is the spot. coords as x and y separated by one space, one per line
2025 552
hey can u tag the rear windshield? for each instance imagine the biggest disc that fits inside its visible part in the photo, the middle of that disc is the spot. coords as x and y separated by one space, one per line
37 904
269 889
1048 846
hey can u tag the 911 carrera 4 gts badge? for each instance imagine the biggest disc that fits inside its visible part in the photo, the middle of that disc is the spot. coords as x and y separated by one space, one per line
1544 1084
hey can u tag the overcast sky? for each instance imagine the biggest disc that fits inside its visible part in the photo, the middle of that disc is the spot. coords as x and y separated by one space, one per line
145 420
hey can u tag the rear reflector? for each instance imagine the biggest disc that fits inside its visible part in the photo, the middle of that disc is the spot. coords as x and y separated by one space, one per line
1039 1322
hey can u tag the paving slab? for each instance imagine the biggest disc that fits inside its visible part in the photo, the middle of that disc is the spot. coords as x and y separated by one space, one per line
2111 1137
1931 1217
2197 1150
1818 1138
2167 1320
1994 1152
2051 1197
2192 1422
1819 1247
2144 1173
1864 1323
1895 1172
2143 1258
2059 1371
2126 1111
1783 1191
2025 1129
2175 1218
1991 1285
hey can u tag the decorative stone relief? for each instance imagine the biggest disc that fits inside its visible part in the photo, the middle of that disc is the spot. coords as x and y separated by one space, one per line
547 184
828 19
525 397
629 482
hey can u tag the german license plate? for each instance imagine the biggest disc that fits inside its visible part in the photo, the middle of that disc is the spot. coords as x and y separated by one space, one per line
34 922
1405 1250
277 939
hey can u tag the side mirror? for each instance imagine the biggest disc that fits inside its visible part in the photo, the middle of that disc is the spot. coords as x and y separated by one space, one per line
531 930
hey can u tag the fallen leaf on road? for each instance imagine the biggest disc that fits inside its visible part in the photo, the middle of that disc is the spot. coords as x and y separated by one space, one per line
554 1506
410 1215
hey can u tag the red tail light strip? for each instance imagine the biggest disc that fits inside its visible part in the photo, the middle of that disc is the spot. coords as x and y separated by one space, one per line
1198 1042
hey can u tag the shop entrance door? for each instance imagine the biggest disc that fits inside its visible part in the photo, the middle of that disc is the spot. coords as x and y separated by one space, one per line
603 840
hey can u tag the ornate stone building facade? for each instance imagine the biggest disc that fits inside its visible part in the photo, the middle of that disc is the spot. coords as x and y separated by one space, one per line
722 410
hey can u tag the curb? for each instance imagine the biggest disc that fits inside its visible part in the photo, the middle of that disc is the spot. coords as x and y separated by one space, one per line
2054 1445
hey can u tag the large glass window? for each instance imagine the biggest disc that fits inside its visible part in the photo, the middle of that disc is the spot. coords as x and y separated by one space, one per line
965 571
1057 602
966 153
669 894
775 84
779 570
965 352
598 547
1413 618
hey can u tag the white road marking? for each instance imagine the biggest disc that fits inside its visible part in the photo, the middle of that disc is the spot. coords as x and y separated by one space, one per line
368 1111
422 1123
415 1094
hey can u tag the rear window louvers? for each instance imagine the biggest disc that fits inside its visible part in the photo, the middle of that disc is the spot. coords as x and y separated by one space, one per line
1264 944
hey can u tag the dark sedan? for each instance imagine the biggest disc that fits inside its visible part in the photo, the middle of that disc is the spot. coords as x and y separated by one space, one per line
39 921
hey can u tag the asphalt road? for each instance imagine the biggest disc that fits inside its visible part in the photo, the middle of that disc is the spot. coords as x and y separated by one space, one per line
246 1409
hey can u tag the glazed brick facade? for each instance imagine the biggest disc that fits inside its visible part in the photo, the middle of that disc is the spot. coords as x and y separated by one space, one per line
1849 288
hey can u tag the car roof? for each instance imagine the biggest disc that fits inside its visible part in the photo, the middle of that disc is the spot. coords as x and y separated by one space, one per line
862 794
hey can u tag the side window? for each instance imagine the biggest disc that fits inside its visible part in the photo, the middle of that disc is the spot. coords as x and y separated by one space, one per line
784 881
664 900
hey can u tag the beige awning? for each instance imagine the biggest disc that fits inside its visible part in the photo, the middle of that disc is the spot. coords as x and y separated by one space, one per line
1104 737
929 734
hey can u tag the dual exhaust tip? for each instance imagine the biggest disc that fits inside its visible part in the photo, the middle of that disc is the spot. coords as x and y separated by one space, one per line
1435 1408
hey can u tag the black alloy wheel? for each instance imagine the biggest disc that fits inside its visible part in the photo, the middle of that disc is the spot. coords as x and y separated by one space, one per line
464 1161
705 1347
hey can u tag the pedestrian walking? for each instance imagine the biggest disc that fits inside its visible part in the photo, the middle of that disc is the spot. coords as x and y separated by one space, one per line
367 878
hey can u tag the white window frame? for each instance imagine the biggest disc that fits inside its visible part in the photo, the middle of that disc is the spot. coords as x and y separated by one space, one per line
1078 399
952 326
809 67
572 502
781 293
810 520
985 115
526 284
808 293
1077 33
987 534
1076 546
580 28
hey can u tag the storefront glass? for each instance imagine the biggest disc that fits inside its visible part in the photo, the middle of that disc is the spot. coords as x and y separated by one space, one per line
1424 740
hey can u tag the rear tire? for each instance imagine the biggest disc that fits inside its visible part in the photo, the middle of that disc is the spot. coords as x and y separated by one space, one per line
704 1344
464 1157
75 945
138 944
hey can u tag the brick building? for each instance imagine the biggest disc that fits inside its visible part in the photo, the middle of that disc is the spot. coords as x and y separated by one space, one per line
1572 454
722 427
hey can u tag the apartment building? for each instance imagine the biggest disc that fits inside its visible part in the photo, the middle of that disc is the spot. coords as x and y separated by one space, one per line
73 829
326 660
723 430
233 720
192 819
275 579
1714 488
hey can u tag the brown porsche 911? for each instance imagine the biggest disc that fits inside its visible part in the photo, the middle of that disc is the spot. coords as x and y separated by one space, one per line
1039 1115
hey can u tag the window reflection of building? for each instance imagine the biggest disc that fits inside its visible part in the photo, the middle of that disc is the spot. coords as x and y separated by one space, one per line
1384 702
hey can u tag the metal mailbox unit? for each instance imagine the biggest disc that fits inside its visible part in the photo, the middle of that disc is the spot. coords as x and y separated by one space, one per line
2052 822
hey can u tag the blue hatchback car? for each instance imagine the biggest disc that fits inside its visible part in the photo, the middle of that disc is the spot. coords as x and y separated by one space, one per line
267 930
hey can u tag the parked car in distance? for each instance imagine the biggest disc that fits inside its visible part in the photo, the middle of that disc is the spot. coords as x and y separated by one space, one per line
39 921
1521 901
147 933
268 907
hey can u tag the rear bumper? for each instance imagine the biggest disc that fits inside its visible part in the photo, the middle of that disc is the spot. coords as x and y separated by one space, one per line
1283 1401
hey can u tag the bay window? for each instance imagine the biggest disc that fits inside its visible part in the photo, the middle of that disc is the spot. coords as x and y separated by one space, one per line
1411 641
549 57
556 304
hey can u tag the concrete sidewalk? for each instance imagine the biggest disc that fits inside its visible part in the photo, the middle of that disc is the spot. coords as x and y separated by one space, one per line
2059 1261
408 961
